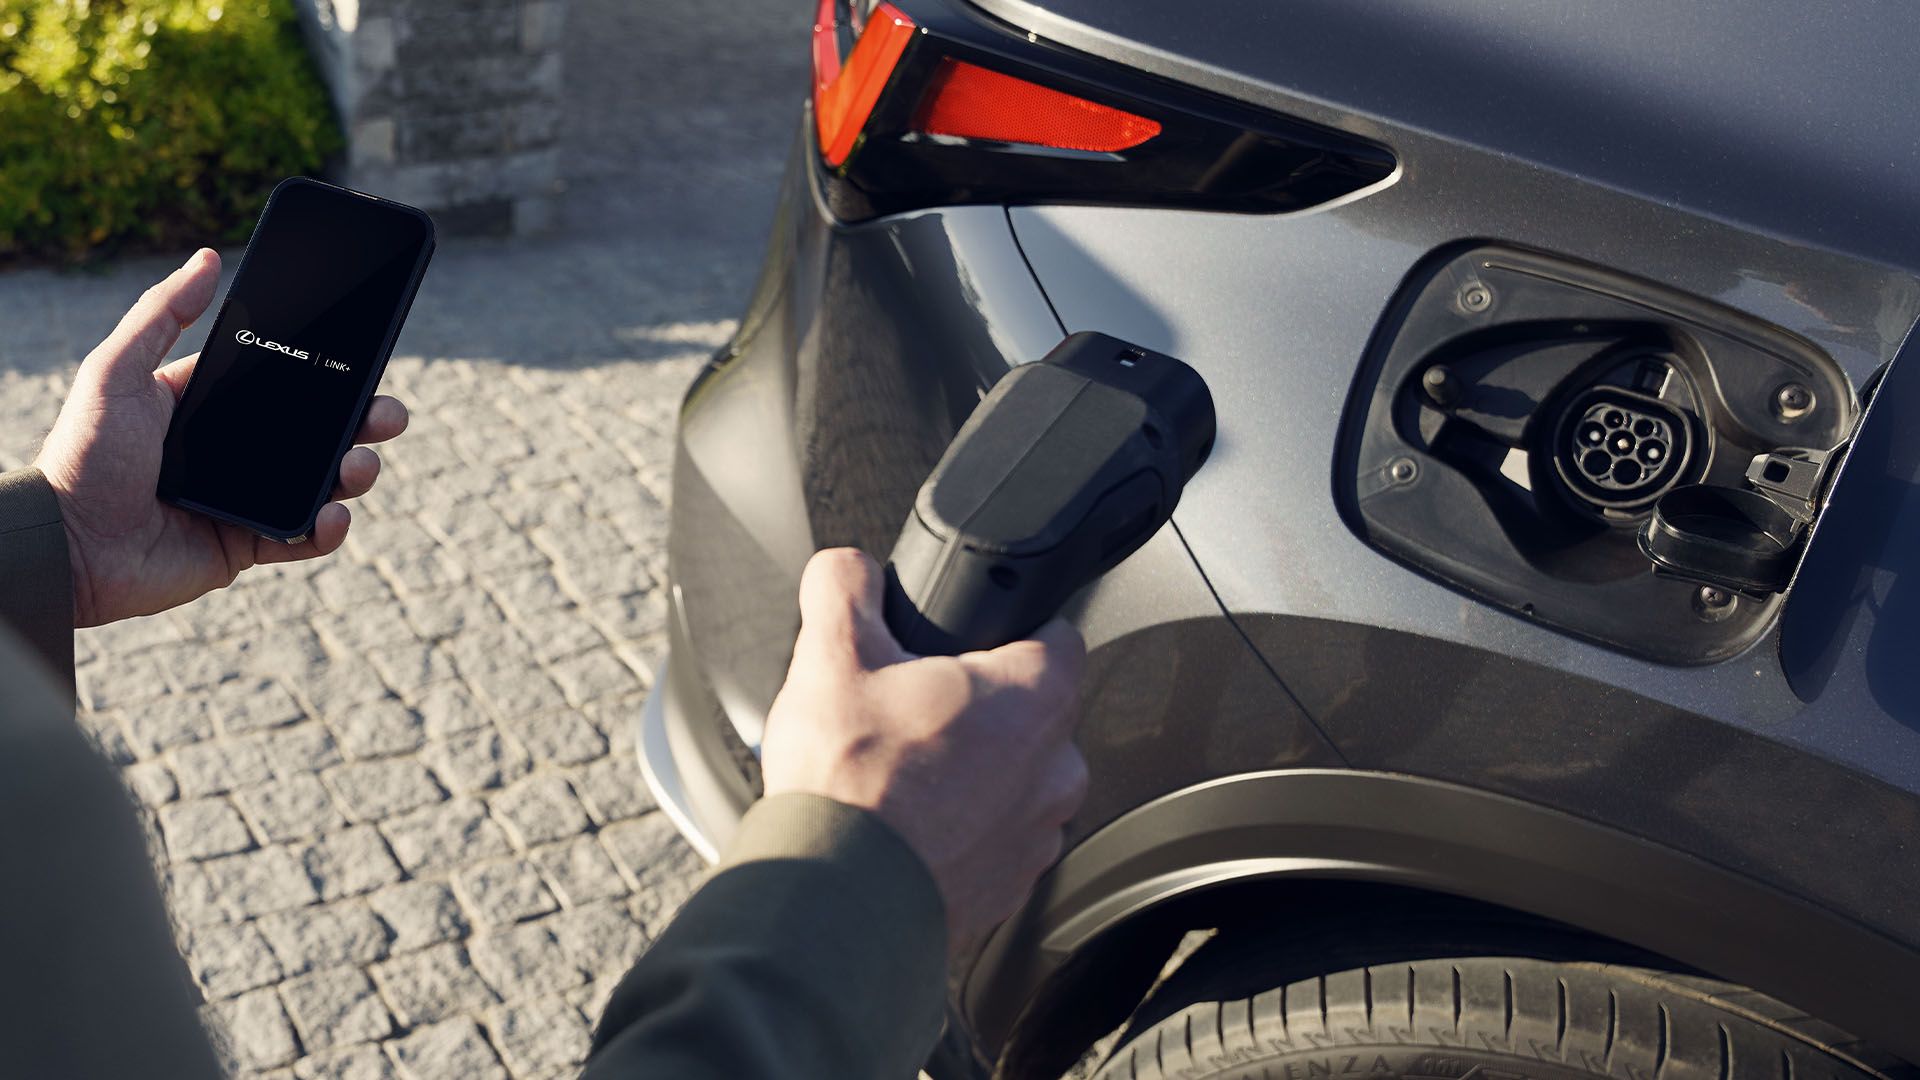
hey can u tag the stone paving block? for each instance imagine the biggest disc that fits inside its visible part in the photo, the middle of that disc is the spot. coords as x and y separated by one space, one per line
289 809
335 1007
229 959
617 721
191 898
203 828
420 913
339 685
244 705
261 1036
524 508
631 616
290 650
503 891
594 676
526 593
560 633
192 665
448 1049
432 984
388 536
447 708
422 572
598 579
151 783
663 868
275 600
444 835
380 729
344 586
373 790
591 999
301 750
538 1036
516 692
436 616
166 722
478 760
258 883
349 863
110 742
539 809
580 871
558 738
603 938
362 628
324 936
524 961
363 1062
411 666
613 789
220 765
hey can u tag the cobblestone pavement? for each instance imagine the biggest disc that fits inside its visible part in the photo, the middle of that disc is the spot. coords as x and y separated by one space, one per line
392 794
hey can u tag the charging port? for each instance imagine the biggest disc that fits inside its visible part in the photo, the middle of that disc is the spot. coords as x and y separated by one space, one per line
1617 451
1520 415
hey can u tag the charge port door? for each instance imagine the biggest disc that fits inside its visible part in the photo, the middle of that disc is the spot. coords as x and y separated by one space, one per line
1521 417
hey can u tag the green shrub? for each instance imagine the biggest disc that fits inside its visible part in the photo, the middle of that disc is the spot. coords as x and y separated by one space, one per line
149 122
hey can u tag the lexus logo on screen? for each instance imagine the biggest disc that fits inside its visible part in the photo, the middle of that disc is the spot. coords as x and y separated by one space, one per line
248 337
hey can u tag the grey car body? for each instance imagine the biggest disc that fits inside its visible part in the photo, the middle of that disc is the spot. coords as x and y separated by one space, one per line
1275 703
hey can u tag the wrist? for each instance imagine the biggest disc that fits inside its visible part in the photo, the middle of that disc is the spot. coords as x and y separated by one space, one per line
79 584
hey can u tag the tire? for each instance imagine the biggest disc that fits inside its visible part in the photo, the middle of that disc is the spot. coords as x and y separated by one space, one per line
1491 1018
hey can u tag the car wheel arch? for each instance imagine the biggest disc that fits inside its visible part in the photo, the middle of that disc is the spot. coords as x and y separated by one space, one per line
1102 923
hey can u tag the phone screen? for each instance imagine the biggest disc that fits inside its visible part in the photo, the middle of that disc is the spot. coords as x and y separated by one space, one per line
294 356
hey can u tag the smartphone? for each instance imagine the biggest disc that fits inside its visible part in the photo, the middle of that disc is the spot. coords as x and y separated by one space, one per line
294 356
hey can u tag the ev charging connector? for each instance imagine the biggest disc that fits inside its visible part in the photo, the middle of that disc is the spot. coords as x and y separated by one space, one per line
1062 471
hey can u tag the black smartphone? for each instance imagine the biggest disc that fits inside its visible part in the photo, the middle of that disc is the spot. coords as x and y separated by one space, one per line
294 356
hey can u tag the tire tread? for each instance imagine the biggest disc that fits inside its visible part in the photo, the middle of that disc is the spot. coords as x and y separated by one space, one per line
1600 1019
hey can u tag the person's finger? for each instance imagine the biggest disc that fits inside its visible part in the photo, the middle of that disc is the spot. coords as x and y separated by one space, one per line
1039 854
176 374
358 470
841 619
1062 785
329 531
1048 665
126 359
386 418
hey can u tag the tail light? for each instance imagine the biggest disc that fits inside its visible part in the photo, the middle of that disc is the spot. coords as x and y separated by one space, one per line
930 102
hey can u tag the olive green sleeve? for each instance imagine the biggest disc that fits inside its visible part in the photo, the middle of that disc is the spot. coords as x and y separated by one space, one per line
92 986
36 581
817 949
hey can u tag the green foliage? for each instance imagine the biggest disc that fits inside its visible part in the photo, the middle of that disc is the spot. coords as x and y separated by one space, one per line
149 122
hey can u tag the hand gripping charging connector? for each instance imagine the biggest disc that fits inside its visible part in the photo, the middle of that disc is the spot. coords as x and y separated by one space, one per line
1062 471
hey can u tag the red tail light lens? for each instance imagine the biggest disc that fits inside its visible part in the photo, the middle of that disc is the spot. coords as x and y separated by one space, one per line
948 106
971 102
844 93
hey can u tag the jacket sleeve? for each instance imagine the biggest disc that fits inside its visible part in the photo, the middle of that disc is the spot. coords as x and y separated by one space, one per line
92 987
36 580
818 949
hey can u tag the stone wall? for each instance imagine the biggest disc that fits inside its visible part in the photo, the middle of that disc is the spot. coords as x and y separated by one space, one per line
451 105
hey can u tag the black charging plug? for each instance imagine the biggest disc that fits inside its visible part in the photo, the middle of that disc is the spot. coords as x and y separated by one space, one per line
1062 471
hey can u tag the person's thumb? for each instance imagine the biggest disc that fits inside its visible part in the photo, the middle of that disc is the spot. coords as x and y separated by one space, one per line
124 362
842 621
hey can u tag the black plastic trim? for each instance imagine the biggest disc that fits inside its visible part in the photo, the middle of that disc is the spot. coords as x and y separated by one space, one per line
1411 831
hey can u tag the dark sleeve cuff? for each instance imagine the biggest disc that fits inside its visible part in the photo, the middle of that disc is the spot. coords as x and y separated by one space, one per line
36 579
817 949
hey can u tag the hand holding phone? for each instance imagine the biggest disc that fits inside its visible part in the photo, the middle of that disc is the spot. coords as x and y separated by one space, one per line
293 357
132 554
